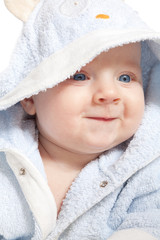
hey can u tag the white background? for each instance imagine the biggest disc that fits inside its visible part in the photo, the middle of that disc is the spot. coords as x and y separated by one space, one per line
11 27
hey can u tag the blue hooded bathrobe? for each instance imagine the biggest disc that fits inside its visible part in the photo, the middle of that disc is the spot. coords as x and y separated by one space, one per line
116 196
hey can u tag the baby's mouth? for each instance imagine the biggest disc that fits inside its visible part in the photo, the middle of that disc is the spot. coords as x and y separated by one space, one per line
105 119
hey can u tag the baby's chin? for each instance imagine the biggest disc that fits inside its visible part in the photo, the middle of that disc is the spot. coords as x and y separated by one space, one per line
95 149
103 147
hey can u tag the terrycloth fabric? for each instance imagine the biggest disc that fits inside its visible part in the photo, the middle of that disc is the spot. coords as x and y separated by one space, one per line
131 235
118 191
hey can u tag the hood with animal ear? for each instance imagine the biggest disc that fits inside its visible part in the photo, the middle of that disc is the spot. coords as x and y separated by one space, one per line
21 8
61 36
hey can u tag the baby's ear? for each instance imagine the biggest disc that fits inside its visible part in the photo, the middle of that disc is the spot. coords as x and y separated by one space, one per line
21 8
28 106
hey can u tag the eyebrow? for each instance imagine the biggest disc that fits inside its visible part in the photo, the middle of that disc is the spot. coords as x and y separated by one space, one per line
135 66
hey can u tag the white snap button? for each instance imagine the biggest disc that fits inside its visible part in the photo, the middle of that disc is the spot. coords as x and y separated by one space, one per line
103 184
22 171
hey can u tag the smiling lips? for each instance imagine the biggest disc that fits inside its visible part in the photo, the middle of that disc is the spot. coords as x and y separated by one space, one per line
102 119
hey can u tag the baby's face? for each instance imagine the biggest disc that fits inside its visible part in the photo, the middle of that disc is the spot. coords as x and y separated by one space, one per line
99 107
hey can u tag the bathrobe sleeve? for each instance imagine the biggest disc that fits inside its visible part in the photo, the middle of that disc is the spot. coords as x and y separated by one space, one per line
136 214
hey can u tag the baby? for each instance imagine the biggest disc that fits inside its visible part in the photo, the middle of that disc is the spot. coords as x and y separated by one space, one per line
96 109
79 119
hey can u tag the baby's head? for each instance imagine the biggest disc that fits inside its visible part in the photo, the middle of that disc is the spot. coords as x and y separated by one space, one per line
97 108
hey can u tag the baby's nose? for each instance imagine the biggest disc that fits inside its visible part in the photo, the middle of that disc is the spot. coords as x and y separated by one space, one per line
106 92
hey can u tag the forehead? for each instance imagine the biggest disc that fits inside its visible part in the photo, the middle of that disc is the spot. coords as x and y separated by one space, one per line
127 54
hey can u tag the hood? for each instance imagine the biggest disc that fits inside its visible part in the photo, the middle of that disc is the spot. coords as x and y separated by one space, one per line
61 36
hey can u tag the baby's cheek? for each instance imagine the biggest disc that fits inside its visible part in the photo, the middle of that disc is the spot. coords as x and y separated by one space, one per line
135 103
133 115
140 106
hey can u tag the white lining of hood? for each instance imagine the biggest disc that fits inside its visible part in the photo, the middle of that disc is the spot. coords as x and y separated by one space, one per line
35 190
70 59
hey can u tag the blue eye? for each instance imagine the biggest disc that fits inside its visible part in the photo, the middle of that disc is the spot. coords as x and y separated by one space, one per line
79 77
125 78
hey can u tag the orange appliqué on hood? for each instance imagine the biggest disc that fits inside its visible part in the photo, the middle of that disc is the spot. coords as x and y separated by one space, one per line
103 16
